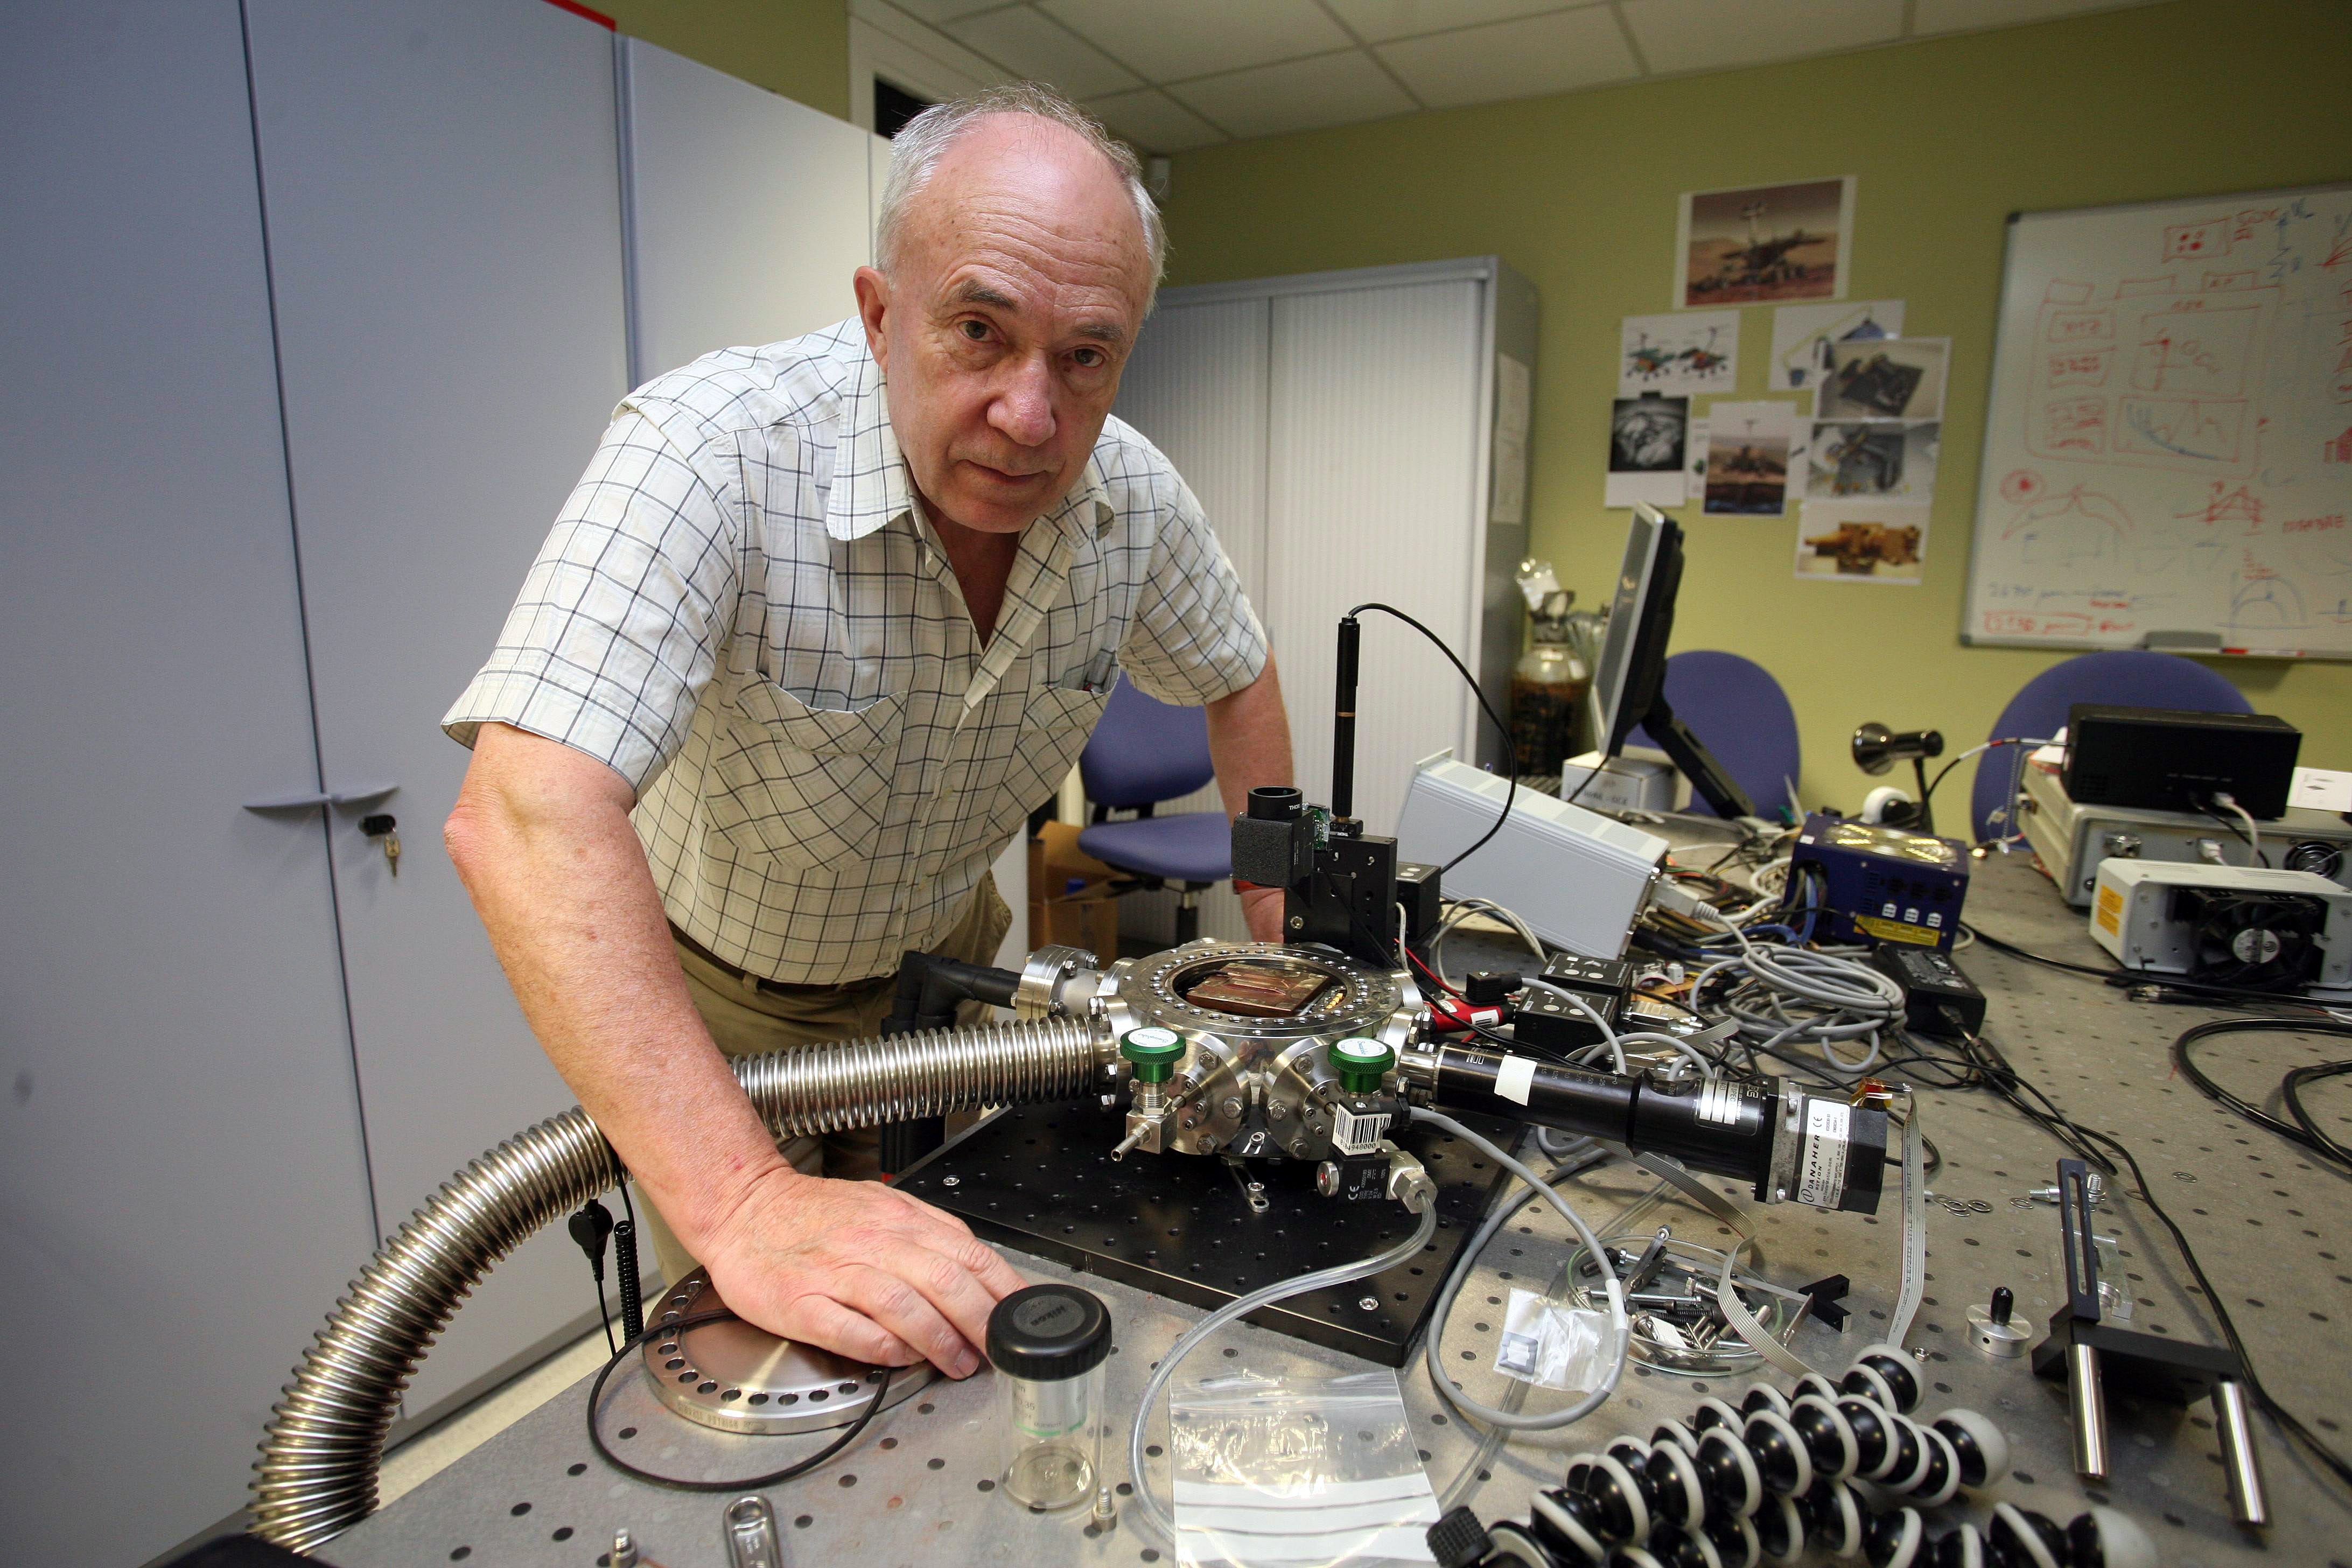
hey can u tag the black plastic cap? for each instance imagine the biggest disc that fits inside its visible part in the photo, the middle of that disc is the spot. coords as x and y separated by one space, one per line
1458 1540
1487 987
1276 803
1048 1332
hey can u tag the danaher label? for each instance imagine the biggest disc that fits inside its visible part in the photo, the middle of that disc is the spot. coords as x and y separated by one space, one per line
1886 929
2110 914
1821 1177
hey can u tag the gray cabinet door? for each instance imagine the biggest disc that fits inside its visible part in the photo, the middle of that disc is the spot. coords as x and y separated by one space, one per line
445 237
182 1190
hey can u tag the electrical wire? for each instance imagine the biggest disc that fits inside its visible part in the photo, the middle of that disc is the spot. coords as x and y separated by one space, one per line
1619 1323
749 1483
2300 1131
2249 835
1511 776
1928 794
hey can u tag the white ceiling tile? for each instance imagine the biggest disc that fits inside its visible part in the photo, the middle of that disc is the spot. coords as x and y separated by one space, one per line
1719 35
941 11
1557 53
1961 16
1298 95
1377 21
1031 44
1168 40
1155 122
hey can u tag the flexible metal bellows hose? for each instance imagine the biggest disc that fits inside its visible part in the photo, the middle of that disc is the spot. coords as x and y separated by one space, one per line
317 1474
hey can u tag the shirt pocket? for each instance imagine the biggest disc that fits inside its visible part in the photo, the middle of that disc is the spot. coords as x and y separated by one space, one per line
804 786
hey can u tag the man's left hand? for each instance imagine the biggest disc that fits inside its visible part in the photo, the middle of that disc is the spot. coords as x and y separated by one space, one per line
1262 907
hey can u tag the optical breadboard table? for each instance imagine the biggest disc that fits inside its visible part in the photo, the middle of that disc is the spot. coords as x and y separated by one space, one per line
2273 1231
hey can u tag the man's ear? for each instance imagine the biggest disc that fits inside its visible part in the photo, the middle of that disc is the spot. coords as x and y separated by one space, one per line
874 309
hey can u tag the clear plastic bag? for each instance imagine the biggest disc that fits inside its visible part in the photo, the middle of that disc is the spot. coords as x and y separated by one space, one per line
1297 1473
1553 1345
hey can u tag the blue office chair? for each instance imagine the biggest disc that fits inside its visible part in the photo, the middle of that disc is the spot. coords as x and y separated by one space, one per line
1144 751
1741 715
2136 677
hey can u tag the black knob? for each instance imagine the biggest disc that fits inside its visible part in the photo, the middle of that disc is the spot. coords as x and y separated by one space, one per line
377 824
1276 803
2002 1302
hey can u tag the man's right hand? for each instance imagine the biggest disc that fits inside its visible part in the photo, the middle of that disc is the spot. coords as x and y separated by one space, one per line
859 1268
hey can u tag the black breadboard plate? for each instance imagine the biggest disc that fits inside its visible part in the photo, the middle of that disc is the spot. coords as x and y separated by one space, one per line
1041 1179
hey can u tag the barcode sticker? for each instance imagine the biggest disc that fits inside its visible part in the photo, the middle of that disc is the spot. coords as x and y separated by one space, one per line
1821 1176
1358 1133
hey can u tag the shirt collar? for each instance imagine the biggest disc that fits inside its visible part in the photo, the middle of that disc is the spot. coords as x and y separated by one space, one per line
870 486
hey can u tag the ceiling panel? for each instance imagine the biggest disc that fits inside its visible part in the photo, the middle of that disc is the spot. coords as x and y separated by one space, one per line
938 11
1556 53
1958 15
1300 95
1377 21
1033 45
1167 42
1152 120
1170 75
1715 35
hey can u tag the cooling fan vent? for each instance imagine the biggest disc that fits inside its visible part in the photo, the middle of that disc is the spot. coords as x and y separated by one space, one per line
2257 941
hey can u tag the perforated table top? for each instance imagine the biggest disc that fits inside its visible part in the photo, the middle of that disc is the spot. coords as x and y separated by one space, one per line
2271 1229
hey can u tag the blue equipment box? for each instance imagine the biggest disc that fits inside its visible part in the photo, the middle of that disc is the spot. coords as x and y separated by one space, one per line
1878 884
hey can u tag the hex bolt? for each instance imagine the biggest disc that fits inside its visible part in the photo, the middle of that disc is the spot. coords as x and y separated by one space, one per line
1277 1111
1231 1108
1368 1303
951 1181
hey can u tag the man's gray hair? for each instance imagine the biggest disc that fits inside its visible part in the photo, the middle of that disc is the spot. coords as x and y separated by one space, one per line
916 151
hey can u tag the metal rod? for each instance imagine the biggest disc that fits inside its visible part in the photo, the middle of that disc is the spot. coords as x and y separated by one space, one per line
1343 720
2090 1412
2241 1466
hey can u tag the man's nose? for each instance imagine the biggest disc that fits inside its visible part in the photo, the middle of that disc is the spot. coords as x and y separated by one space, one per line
1023 406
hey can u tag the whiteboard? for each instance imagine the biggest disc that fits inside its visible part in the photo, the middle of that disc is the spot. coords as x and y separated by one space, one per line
2168 457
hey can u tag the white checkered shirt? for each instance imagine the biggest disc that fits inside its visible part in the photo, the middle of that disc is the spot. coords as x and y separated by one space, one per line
742 611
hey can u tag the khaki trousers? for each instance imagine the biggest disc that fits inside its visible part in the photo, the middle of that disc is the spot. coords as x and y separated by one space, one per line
748 1020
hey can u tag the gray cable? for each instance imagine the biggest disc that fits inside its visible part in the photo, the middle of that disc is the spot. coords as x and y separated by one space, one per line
1459 1398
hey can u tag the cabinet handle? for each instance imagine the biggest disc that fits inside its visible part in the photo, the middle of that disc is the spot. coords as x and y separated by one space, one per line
308 799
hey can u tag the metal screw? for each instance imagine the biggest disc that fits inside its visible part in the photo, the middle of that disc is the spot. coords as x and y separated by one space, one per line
951 1181
1277 1111
624 1550
1231 1108
1368 1303
1208 1145
1299 922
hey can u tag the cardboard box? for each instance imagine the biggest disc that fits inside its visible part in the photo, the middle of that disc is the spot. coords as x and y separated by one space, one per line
1071 903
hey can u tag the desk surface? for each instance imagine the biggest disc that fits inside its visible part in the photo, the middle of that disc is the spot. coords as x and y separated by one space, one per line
2272 1231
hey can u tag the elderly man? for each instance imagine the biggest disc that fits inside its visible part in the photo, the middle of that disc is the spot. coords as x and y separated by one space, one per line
822 624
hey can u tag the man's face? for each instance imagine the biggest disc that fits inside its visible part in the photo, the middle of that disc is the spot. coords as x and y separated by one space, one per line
1021 280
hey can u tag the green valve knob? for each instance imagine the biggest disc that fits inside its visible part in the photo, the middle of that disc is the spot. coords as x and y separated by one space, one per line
1360 1063
1154 1052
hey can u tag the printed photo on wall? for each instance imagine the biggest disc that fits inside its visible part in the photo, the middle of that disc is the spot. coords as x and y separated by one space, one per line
1695 460
1686 354
1878 459
1884 378
1802 336
1762 243
1862 542
1749 449
1647 436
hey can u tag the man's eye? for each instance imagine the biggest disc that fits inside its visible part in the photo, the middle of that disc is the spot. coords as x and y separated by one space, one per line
1091 359
976 330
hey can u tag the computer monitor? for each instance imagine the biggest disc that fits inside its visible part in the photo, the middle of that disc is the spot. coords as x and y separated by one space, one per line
1629 678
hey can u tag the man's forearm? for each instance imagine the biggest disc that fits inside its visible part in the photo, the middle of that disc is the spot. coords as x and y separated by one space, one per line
1249 742
1249 739
541 837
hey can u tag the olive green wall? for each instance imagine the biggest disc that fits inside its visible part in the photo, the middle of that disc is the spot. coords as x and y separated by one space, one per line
797 47
1949 136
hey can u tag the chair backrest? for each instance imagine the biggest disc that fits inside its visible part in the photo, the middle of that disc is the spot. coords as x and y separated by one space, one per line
1741 715
1144 751
2137 678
